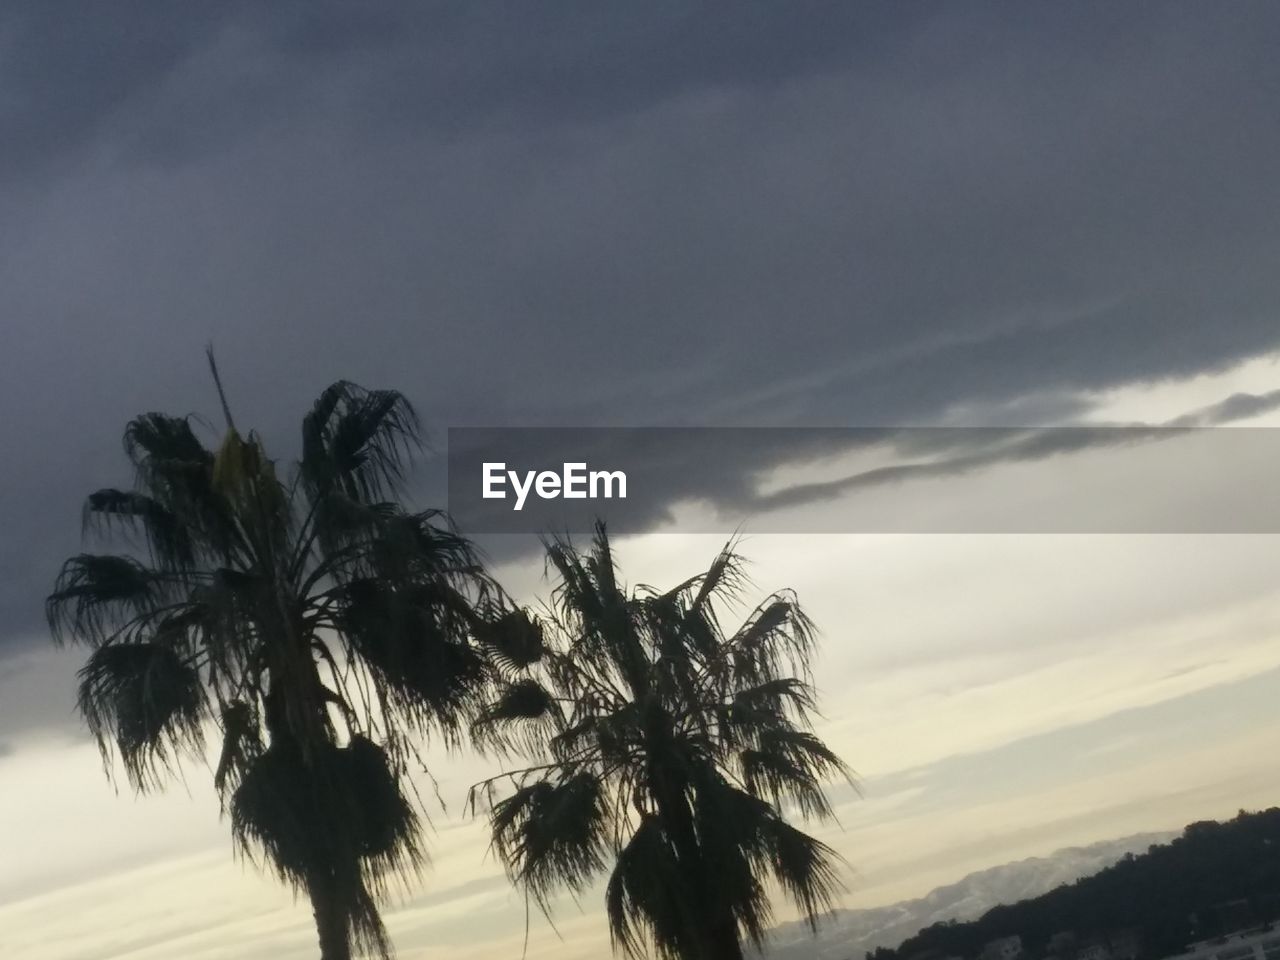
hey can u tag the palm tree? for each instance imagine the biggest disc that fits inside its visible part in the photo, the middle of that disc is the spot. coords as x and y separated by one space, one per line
669 745
311 621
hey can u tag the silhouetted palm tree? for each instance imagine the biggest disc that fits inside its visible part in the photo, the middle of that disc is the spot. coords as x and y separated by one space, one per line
671 746
310 619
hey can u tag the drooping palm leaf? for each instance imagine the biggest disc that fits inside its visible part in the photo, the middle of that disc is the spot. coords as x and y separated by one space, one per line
648 900
804 866
148 703
550 833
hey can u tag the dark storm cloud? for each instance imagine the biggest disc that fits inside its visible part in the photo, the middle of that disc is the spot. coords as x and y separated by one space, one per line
73 68
613 214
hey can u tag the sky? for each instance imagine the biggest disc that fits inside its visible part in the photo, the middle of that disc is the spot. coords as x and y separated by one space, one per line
671 214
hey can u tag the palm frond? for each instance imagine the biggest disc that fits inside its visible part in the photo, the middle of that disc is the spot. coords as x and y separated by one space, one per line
146 702
524 714
778 697
158 442
612 736
806 868
358 441
416 643
96 595
730 825
175 470
553 833
750 712
648 899
513 640
241 744
726 578
167 537
419 547
777 639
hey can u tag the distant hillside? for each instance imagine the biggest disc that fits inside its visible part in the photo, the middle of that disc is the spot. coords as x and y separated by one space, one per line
1214 878
850 934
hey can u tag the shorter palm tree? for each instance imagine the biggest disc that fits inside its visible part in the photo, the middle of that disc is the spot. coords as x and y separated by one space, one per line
670 746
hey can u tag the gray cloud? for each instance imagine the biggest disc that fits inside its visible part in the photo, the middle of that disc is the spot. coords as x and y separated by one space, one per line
590 215
1238 406
731 471
411 66
971 450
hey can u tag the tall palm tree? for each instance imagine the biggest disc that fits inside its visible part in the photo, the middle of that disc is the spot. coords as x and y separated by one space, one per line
670 745
311 620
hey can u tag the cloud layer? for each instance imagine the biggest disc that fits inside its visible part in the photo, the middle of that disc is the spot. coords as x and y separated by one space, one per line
862 215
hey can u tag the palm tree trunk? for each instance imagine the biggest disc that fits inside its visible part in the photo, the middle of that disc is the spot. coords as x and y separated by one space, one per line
716 936
331 921
326 903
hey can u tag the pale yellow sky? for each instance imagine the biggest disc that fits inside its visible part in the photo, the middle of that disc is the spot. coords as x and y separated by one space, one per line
1000 696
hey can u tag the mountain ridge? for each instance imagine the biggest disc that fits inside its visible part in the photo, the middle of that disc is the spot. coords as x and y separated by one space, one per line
848 934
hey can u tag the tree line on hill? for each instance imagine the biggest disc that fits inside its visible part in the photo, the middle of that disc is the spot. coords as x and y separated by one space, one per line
1214 879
